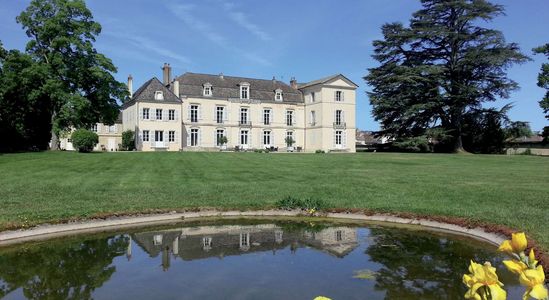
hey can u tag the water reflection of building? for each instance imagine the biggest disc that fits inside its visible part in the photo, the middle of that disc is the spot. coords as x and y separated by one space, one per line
191 243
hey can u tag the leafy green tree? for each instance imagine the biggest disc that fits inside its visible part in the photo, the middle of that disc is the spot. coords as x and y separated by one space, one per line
24 108
80 84
483 130
84 140
543 82
440 68
128 140
518 129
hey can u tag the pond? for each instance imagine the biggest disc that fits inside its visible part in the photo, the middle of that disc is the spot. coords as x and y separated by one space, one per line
248 259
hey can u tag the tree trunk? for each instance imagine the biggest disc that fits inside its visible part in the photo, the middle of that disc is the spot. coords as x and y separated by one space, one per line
54 143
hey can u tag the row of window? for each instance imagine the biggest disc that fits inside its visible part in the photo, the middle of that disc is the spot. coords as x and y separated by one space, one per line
108 129
244 91
158 136
159 114
244 137
339 96
244 116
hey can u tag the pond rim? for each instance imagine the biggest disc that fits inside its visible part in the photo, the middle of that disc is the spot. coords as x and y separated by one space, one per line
44 232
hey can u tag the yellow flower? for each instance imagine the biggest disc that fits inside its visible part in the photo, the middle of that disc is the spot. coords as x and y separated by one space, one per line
322 298
532 259
483 277
515 266
517 244
533 280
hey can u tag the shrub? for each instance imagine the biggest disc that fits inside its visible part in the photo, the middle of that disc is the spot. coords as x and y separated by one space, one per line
289 141
320 151
128 140
84 140
290 202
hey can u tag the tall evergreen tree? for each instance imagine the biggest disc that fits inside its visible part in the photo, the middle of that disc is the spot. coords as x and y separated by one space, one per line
80 84
543 82
440 68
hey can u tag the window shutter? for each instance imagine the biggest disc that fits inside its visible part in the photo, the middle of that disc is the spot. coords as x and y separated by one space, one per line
176 137
342 116
335 96
334 138
271 113
176 115
188 112
344 138
215 137
140 137
342 96
140 114
200 137
215 114
199 112
294 115
188 137
226 113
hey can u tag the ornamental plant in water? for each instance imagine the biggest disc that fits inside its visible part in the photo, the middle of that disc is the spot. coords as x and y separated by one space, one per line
483 282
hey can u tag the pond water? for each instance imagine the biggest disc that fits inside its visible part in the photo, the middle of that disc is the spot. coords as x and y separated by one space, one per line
247 259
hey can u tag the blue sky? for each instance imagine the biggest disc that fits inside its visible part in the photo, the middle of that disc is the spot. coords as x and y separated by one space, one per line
303 39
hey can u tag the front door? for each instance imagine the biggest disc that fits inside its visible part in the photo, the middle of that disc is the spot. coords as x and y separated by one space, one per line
159 138
112 144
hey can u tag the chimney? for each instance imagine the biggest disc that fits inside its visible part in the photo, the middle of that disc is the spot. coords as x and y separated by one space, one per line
293 83
221 75
166 74
176 88
130 85
274 80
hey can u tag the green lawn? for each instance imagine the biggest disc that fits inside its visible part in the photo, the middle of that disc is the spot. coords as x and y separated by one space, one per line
507 190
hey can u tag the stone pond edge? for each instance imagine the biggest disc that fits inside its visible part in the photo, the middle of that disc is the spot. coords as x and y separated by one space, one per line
91 226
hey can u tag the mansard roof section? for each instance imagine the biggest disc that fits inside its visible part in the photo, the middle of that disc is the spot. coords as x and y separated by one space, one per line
328 80
146 93
226 87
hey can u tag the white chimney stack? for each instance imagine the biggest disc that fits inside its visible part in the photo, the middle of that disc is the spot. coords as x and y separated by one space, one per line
176 88
130 85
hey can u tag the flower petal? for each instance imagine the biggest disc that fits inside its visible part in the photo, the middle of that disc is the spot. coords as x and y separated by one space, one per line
506 246
519 242
497 292
539 292
515 266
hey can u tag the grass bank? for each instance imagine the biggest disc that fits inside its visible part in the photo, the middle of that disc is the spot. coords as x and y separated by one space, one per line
45 187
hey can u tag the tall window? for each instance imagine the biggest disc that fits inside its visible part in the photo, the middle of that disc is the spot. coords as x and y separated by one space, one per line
312 96
159 114
339 117
159 136
338 96
171 136
339 137
207 243
94 128
243 137
290 117
194 137
339 235
289 135
313 117
145 113
145 135
219 114
266 116
244 115
194 113
219 133
245 241
267 138
244 92
171 114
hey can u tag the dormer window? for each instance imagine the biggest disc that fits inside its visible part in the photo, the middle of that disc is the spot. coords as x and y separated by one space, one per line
244 90
278 95
207 90
158 95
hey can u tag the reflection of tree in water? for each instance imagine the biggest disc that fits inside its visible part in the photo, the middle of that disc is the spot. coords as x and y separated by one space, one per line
421 266
60 270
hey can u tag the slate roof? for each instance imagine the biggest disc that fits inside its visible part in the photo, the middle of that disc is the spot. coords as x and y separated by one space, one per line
325 80
191 84
146 93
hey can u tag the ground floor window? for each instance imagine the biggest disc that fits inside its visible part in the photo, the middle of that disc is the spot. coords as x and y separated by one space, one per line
266 138
159 136
244 137
171 136
219 134
339 138
145 135
194 137
289 137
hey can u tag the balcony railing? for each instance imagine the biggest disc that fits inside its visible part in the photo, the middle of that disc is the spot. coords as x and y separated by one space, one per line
245 123
340 125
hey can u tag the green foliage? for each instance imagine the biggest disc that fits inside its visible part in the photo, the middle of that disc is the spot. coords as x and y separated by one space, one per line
84 140
518 129
320 151
289 141
290 202
128 140
545 134
483 130
222 140
543 79
438 69
78 81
